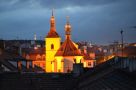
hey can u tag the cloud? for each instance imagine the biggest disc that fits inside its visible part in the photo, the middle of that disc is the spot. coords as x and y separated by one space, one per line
9 5
96 20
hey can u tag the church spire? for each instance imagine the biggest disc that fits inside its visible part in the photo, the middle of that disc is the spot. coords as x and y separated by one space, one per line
67 17
68 29
53 12
52 33
52 22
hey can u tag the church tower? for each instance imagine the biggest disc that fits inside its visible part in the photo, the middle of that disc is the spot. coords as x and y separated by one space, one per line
52 42
68 53
67 29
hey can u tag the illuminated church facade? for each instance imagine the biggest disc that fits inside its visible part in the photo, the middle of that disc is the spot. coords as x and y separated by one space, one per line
60 58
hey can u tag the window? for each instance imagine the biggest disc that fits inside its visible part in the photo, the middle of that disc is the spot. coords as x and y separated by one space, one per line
38 57
89 64
43 65
74 60
52 46
43 57
59 70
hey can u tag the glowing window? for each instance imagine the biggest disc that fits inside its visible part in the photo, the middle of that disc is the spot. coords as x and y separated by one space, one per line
52 46
38 57
43 57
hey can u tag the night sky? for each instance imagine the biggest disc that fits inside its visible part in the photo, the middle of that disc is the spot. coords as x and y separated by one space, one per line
96 21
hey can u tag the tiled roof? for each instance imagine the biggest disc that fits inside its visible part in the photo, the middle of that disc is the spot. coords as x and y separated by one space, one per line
52 34
87 57
68 49
34 51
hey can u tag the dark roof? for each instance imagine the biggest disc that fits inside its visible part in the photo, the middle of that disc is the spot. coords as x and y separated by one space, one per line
130 51
68 49
105 75
116 79
34 51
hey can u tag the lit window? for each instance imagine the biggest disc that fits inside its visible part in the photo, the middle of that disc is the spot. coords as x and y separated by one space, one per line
43 57
38 57
52 46
43 65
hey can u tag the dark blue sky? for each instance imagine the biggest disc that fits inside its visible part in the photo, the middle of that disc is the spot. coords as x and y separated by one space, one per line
97 21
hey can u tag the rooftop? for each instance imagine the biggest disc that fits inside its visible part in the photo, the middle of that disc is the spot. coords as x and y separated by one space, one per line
68 49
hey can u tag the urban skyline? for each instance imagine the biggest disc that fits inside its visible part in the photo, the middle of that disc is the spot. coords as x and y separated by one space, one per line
67 44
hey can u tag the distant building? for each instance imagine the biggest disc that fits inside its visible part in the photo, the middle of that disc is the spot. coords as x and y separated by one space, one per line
37 55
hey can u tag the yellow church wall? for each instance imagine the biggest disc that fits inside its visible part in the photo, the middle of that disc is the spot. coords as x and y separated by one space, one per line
59 64
78 59
55 41
50 53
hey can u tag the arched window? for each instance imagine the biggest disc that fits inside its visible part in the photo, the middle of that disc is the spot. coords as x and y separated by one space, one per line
52 46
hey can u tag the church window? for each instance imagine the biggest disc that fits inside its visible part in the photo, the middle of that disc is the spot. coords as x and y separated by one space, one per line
52 46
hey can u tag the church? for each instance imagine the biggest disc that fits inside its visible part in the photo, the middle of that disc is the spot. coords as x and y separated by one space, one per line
58 57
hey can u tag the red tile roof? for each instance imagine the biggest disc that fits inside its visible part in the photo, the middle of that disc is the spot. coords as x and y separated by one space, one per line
68 49
87 57
52 34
